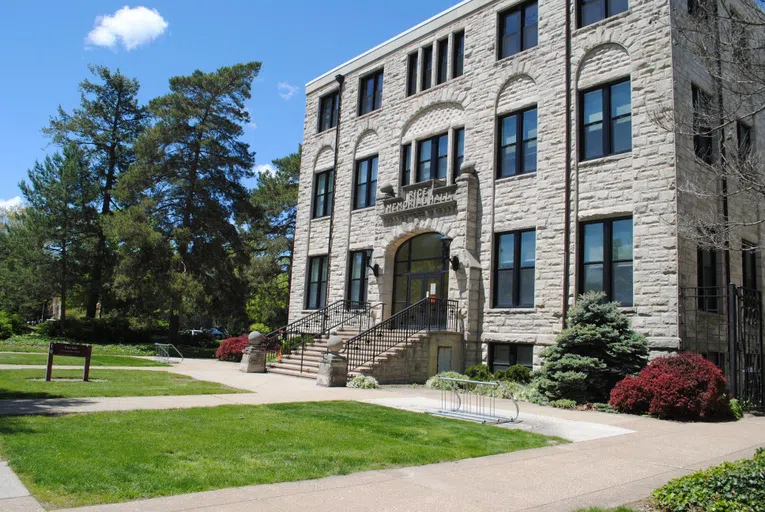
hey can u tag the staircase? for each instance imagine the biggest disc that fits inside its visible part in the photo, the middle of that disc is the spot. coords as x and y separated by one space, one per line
308 358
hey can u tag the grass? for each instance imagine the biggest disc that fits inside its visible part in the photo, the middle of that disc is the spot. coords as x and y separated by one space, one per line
144 454
31 384
42 359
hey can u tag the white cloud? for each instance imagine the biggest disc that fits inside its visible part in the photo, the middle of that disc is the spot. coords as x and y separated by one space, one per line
132 27
10 204
252 125
264 169
287 91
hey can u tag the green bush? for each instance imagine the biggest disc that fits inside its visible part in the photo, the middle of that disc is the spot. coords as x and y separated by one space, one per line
479 372
729 487
10 324
102 331
735 408
363 382
516 373
596 350
261 328
563 403
435 381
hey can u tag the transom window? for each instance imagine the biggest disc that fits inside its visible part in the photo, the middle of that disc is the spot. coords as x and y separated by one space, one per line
504 355
458 54
366 183
606 259
702 133
432 158
371 92
514 269
317 282
323 193
591 11
606 120
358 276
518 29
329 106
517 143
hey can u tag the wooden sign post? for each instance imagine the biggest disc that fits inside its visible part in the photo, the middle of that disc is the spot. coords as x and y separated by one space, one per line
70 350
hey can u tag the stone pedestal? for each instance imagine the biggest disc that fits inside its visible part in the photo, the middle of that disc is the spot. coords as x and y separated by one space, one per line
333 371
253 360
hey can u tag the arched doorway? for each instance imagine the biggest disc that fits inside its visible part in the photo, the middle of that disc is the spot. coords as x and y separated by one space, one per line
421 270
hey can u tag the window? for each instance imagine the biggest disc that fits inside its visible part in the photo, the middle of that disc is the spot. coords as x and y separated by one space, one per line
371 93
358 276
698 8
702 138
458 54
707 280
427 68
317 282
443 61
323 193
749 264
433 154
504 355
744 134
591 11
366 183
517 129
459 152
411 75
606 259
406 164
514 255
606 120
329 106
518 29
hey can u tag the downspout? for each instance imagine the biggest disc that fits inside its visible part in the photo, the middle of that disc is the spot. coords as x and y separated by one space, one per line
340 81
567 144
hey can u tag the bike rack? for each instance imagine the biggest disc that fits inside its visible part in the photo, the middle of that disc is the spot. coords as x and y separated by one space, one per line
163 353
473 400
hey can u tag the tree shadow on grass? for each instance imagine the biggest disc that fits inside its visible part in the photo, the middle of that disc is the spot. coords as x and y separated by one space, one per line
17 403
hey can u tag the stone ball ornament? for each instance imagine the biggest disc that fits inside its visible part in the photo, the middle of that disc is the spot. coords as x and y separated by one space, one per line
334 343
255 338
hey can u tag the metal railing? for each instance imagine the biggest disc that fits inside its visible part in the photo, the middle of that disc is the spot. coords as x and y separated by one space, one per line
295 336
475 400
430 314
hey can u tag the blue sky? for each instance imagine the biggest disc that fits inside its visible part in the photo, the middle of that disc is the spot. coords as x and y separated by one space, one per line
47 46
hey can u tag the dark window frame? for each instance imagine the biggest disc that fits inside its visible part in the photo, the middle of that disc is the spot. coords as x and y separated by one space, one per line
516 270
709 287
519 143
363 280
370 195
457 158
442 61
377 78
412 73
426 70
334 97
516 346
328 194
703 138
744 139
434 157
321 298
501 26
750 277
406 163
605 8
458 54
608 260
606 120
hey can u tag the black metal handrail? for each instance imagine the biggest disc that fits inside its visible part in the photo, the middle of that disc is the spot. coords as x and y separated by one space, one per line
430 314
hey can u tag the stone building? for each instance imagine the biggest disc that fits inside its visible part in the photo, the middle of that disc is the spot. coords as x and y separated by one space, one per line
505 155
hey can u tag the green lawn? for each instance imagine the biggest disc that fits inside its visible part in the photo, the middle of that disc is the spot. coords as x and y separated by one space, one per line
110 457
31 384
42 359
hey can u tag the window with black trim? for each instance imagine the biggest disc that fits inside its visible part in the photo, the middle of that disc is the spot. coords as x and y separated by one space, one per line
442 67
749 265
329 107
514 269
406 164
744 134
708 280
411 75
432 159
504 355
323 193
702 133
518 29
459 152
517 141
458 54
591 11
606 120
317 282
358 276
427 68
365 183
370 93
605 259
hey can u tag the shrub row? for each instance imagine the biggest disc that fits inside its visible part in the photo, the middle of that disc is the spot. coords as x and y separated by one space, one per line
10 324
515 373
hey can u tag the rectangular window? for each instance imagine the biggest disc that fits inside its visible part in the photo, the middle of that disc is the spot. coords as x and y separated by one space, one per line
358 274
323 193
459 151
427 68
749 264
329 106
606 259
443 61
411 75
517 143
458 54
366 183
432 158
606 120
406 164
744 134
514 273
702 138
709 292
317 282
370 94
591 11
518 29
504 355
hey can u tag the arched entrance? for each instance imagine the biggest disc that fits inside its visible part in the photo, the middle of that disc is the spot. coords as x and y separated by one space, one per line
421 270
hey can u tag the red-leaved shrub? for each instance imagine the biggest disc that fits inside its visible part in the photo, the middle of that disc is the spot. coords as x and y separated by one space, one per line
231 349
681 387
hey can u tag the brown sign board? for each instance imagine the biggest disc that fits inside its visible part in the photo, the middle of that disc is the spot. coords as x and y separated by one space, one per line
70 350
